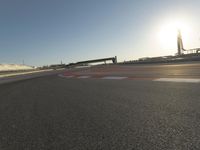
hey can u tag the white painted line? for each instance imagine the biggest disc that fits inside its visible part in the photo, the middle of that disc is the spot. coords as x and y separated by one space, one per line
63 76
84 77
187 80
114 78
68 76
60 75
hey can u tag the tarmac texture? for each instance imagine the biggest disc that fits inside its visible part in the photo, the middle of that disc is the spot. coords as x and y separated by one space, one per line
52 112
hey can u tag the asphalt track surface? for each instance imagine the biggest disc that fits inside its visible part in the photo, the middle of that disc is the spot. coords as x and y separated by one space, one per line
60 113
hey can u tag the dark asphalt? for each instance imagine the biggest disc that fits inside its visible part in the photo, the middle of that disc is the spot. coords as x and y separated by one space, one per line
184 70
93 114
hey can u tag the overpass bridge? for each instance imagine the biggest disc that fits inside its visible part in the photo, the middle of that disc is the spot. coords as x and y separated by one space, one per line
113 59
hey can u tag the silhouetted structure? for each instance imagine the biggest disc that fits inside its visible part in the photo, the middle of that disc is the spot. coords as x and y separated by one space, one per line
181 49
113 59
179 43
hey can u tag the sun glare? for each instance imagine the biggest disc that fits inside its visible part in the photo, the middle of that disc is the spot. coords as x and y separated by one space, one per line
168 34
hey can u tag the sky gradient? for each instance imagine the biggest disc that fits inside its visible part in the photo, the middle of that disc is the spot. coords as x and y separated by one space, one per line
43 32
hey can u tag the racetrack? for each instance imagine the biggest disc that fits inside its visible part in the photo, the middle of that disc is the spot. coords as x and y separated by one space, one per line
83 110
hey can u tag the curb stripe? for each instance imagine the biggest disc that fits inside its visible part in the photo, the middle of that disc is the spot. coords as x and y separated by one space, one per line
181 80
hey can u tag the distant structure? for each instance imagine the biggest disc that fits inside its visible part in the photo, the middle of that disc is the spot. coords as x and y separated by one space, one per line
179 43
181 49
113 59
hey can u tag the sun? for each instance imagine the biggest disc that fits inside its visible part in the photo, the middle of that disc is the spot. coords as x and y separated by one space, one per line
168 34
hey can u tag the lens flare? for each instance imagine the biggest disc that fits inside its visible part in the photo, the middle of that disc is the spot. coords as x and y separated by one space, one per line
168 34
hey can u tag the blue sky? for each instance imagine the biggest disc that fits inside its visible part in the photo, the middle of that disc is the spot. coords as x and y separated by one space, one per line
42 32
